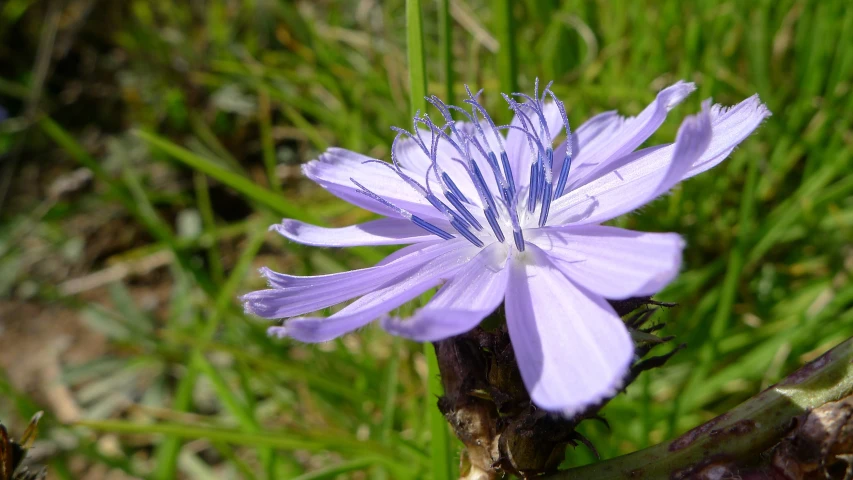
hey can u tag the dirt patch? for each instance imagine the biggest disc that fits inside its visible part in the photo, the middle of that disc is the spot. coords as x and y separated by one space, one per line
35 342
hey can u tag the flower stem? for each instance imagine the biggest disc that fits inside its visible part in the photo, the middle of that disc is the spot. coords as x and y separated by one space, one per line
417 64
506 38
440 452
445 33
743 433
442 466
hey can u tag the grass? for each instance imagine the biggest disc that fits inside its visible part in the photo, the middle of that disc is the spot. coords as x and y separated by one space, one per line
192 123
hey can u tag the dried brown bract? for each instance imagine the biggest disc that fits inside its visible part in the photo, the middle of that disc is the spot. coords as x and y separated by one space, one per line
490 410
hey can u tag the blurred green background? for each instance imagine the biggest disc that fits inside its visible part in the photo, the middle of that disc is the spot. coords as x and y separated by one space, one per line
149 144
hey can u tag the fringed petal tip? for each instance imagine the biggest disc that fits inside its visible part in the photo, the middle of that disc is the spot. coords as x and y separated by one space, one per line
278 331
749 108
252 305
267 274
310 168
288 229
672 95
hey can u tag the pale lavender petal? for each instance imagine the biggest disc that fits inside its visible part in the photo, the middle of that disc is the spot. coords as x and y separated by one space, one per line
476 290
405 251
378 302
386 231
731 126
610 261
571 347
293 295
637 182
334 169
612 138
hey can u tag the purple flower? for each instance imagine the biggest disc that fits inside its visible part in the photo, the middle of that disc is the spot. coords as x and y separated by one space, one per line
495 215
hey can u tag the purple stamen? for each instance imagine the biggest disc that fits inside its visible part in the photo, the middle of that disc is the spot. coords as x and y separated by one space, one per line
405 214
431 228
454 200
519 240
533 187
463 230
543 187
453 188
503 177
493 222
508 173
537 108
564 173
567 162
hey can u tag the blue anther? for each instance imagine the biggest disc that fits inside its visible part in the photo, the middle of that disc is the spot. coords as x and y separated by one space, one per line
454 200
540 182
533 188
490 201
519 239
564 176
463 230
441 207
546 204
493 222
508 173
452 187
431 228
403 213
546 186
493 161
499 179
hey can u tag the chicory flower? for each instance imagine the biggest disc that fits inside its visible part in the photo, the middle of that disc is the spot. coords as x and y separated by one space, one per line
494 214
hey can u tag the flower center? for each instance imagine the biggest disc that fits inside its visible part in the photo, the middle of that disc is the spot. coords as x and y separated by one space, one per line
478 146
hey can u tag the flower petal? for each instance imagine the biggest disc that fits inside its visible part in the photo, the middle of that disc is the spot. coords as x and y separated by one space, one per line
635 183
607 137
475 292
571 348
379 302
386 231
731 126
612 262
293 295
334 169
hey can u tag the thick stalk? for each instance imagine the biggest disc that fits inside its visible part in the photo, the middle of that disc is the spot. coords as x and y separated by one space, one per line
741 435
442 466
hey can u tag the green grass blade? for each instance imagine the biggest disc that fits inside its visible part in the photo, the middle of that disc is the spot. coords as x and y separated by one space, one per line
275 202
417 63
440 444
267 143
132 197
445 34
269 199
504 26
168 451
439 439
275 440
335 470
